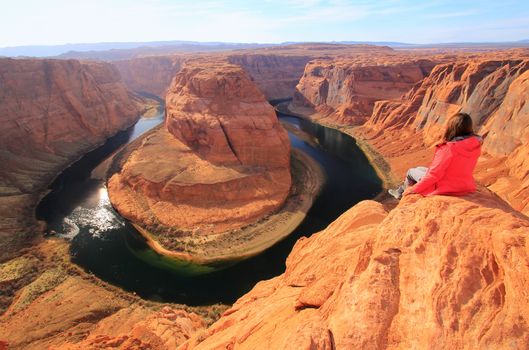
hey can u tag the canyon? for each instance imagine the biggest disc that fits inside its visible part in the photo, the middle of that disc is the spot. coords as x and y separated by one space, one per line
52 112
275 70
492 90
426 272
220 164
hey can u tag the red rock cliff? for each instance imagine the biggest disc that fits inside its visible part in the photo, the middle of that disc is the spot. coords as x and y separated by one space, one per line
492 91
433 273
347 89
275 70
275 75
150 75
52 111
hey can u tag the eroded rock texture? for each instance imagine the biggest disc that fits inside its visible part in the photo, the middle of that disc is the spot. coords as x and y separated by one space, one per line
51 112
345 90
492 91
438 272
275 75
151 75
221 161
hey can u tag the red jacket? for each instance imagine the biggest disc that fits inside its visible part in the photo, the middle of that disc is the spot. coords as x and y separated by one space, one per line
451 168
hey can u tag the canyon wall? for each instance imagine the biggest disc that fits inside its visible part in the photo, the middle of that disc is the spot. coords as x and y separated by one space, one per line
275 75
222 160
492 91
345 90
151 75
276 70
434 273
52 112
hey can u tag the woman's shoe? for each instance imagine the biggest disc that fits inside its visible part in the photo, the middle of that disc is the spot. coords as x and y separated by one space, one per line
395 193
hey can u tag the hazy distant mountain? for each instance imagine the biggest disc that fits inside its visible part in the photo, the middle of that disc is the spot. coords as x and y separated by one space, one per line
81 50
393 44
380 43
400 45
122 50
121 54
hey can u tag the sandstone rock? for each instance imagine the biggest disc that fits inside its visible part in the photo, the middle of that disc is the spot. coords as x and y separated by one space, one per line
150 75
438 272
275 75
507 139
221 162
347 89
140 329
51 112
275 70
59 306
492 91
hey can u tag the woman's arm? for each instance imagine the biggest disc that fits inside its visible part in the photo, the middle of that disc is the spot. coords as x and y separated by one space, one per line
441 160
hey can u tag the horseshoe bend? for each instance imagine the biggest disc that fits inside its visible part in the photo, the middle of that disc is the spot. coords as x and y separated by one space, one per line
163 202
213 183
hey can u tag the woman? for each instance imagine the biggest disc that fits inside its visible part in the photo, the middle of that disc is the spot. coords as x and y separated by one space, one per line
452 166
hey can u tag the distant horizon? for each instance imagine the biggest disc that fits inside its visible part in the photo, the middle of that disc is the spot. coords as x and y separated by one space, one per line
129 49
269 43
60 22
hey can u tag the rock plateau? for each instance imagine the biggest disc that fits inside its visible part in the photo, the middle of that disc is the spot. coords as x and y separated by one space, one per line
346 89
220 163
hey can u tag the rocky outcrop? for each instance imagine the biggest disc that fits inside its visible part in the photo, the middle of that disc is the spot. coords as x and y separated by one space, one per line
506 171
151 75
438 272
140 328
57 305
52 111
220 163
492 91
345 90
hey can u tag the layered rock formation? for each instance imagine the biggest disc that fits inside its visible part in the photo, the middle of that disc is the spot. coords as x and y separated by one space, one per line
52 112
275 75
275 70
345 90
438 272
221 162
151 75
492 91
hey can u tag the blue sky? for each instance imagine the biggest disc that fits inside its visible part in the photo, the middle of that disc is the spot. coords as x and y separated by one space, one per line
30 22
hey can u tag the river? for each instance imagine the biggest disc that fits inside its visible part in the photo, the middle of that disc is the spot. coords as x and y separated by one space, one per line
106 245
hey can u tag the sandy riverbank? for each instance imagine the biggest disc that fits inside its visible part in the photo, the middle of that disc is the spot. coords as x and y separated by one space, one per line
200 254
381 166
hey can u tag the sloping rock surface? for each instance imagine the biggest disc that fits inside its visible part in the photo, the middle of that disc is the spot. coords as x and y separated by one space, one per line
438 272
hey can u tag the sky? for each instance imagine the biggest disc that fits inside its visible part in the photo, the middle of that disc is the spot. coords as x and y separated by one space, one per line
51 22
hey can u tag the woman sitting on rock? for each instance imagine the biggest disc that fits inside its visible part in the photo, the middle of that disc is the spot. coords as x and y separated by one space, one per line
454 161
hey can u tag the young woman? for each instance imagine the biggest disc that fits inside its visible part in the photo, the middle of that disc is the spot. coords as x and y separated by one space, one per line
453 164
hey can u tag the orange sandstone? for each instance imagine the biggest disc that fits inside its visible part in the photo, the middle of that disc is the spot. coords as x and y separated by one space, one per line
221 162
345 90
437 272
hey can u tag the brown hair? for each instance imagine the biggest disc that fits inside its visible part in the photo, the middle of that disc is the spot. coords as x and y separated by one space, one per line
459 124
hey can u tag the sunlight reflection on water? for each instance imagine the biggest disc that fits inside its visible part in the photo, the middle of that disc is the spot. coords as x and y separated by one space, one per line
97 218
